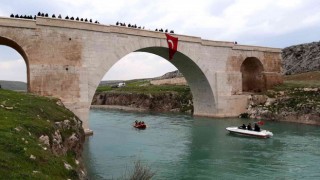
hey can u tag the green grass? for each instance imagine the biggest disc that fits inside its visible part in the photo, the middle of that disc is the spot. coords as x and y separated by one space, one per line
303 80
34 116
291 85
145 87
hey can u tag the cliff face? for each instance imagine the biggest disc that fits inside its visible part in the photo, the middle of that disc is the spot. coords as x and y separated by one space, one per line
67 137
301 58
162 102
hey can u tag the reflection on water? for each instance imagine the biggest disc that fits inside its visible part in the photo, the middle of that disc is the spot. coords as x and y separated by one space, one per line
183 147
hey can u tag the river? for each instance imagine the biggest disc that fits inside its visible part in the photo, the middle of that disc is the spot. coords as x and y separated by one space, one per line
177 146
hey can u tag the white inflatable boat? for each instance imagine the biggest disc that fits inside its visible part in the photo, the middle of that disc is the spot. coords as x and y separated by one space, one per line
260 134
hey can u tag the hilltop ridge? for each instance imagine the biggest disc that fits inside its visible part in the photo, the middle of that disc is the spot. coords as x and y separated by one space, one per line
301 58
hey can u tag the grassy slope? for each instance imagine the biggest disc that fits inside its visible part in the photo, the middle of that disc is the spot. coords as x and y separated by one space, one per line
299 81
292 93
34 116
303 80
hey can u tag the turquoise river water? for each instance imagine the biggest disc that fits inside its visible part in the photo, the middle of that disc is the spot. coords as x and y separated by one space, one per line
179 146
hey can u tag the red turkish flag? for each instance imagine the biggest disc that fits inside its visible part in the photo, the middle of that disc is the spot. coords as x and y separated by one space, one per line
172 44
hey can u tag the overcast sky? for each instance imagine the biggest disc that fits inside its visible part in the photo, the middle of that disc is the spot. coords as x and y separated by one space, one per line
273 23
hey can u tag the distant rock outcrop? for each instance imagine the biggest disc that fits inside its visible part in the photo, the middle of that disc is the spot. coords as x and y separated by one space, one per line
301 58
169 75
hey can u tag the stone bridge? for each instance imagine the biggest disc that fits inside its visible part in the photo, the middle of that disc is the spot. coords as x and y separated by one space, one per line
67 59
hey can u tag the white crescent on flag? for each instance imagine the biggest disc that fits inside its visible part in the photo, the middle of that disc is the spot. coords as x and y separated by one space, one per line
171 43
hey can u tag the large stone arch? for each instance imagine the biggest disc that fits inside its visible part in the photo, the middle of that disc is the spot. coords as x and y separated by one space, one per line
253 79
10 43
203 96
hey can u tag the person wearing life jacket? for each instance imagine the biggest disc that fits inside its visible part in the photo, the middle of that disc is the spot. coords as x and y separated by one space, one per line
256 127
242 127
249 127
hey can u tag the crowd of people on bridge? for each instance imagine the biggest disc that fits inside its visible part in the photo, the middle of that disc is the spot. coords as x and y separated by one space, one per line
166 31
129 25
23 16
53 16
139 27
41 14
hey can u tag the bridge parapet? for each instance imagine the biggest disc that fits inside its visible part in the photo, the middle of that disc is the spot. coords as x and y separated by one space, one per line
256 48
80 25
16 22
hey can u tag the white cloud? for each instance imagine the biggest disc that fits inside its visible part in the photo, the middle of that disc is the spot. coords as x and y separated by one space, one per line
8 53
13 70
139 65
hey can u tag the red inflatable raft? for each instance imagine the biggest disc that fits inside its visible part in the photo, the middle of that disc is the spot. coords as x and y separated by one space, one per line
140 126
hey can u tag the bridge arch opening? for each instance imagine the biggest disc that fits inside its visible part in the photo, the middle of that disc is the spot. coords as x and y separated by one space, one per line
138 73
14 65
202 94
253 79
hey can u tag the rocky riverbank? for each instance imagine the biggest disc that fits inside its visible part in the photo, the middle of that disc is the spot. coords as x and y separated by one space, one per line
39 138
158 102
301 105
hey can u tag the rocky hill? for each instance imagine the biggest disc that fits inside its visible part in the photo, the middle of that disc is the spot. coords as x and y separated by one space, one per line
169 75
301 58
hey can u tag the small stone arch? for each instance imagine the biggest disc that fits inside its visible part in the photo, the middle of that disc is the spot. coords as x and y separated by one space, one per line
10 43
253 79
